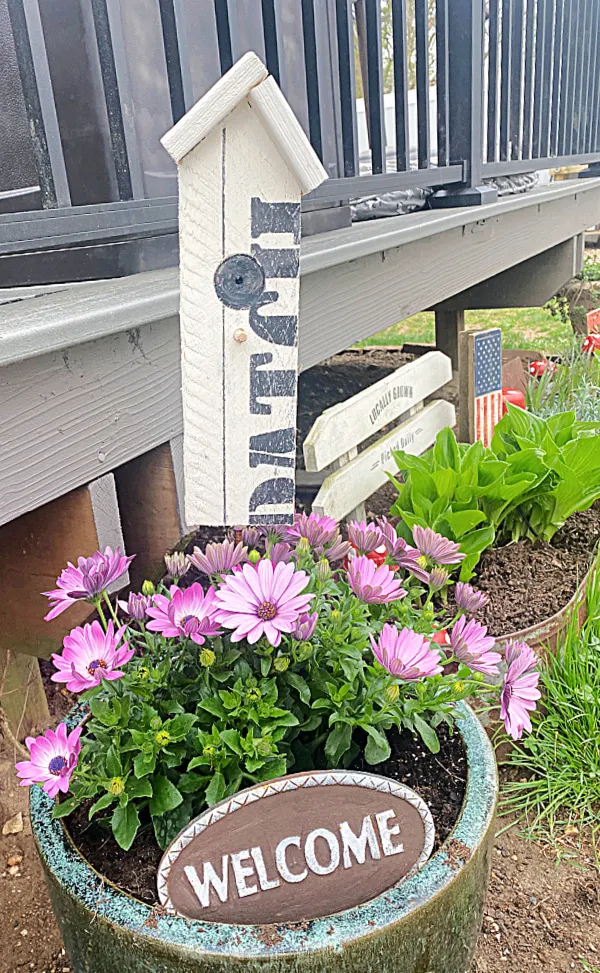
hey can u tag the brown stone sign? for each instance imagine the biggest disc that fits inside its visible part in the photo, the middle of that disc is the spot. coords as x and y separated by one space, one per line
299 847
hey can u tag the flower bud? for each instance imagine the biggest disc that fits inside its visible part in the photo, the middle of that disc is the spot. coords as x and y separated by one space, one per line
116 786
177 564
156 723
281 663
208 751
303 547
438 578
207 658
163 737
323 570
143 672
254 557
392 693
459 688
148 588
264 747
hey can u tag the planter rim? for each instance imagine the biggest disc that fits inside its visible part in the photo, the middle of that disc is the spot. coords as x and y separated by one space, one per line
105 901
547 627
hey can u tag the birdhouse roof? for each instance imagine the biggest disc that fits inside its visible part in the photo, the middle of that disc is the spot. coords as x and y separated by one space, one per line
249 79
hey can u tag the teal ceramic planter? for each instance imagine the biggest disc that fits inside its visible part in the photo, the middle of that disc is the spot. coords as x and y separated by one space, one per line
427 925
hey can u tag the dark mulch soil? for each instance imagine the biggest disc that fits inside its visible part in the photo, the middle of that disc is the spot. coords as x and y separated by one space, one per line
528 582
439 779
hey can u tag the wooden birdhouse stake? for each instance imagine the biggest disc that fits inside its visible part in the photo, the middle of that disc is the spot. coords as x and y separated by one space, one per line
244 162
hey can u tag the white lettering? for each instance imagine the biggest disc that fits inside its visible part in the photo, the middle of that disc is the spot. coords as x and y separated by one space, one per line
210 878
357 844
265 882
282 865
386 833
242 872
310 855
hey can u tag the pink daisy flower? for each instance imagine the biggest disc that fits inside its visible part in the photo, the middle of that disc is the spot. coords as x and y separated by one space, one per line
92 576
519 692
436 547
405 654
90 655
468 599
400 553
365 538
318 531
53 759
372 584
262 599
220 558
472 645
305 626
188 613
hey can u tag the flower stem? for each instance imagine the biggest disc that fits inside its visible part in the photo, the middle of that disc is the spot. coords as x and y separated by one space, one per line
101 613
110 608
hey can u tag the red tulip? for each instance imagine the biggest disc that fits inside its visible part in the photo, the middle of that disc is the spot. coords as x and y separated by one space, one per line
591 344
537 368
514 396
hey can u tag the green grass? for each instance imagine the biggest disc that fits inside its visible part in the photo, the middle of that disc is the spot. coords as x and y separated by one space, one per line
522 327
558 766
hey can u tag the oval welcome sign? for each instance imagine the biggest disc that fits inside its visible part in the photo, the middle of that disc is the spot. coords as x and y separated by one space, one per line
299 847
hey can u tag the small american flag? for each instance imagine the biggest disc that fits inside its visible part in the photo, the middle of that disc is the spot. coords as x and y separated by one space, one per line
487 376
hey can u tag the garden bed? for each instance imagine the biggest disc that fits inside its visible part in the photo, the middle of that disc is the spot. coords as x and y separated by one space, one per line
439 779
529 582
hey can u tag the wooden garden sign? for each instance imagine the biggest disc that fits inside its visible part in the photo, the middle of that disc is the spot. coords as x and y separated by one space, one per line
296 848
244 162
480 388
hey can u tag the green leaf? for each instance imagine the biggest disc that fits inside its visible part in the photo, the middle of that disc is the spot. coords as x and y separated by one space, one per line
231 739
272 769
428 736
462 521
338 742
100 804
377 749
138 787
167 826
214 706
65 807
144 764
445 451
165 796
103 712
113 763
125 823
179 727
216 789
299 684
190 783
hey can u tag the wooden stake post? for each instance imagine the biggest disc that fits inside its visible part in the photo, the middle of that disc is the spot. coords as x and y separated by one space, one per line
480 385
244 162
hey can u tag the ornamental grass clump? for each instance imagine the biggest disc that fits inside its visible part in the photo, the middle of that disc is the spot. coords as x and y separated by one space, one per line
257 665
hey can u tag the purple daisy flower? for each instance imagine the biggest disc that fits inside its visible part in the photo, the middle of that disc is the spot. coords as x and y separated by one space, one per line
90 655
337 549
280 553
519 691
177 565
401 553
188 613
364 537
468 599
305 626
472 645
405 654
371 584
251 537
92 576
136 606
318 531
262 599
435 547
438 577
219 558
274 533
53 759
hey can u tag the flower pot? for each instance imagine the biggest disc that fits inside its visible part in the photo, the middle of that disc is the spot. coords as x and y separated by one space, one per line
429 924
544 636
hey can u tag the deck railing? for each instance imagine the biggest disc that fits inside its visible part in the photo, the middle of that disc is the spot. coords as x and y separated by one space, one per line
394 94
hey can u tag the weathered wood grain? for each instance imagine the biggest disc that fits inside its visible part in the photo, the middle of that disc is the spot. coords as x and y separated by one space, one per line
343 490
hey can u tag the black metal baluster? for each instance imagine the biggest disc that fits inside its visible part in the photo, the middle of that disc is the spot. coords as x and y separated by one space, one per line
556 76
540 41
505 77
270 35
374 96
590 5
223 35
312 76
492 81
401 84
595 95
345 38
516 85
422 55
566 76
442 68
548 14
529 74
172 57
575 66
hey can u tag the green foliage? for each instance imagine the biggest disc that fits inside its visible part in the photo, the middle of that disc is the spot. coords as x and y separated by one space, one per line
558 765
535 475
575 386
591 268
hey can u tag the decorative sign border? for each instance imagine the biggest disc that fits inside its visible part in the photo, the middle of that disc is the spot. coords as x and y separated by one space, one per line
319 778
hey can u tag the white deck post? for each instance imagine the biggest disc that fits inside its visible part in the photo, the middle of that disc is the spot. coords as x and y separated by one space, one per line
244 162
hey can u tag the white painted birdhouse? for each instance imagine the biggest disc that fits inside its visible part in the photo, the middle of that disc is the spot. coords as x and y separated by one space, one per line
244 162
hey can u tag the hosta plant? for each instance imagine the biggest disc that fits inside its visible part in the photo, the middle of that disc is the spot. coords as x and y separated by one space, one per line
281 649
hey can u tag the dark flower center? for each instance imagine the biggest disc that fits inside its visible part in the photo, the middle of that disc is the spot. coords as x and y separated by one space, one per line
96 664
56 765
191 624
266 611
